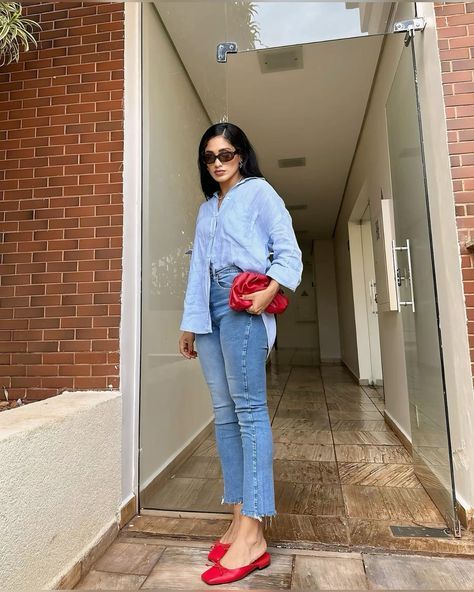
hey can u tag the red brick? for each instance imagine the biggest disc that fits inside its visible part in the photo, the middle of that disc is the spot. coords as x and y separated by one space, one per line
461 147
460 42
62 155
95 382
455 54
448 8
90 358
463 64
460 99
460 19
76 322
75 346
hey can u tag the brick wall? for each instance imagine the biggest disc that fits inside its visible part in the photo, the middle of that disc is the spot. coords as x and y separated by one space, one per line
61 132
455 25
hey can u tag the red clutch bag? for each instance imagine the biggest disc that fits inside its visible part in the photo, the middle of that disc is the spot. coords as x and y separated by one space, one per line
249 282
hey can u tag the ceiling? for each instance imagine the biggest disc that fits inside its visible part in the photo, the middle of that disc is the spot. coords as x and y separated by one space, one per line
315 111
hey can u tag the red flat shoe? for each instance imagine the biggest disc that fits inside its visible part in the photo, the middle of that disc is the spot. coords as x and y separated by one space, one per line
218 550
218 574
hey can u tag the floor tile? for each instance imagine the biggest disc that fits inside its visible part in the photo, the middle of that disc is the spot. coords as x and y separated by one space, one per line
356 405
419 573
357 415
128 558
314 499
376 454
179 527
301 436
320 420
389 503
204 467
305 471
381 475
349 425
297 403
184 493
207 448
314 393
101 580
298 529
385 438
314 452
193 563
324 573
377 534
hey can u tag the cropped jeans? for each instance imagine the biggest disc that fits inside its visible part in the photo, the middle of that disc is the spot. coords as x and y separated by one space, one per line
232 359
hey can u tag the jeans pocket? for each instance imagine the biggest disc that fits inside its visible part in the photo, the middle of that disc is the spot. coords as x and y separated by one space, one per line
225 281
225 278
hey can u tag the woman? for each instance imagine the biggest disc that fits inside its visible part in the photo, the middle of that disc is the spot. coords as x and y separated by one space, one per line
243 226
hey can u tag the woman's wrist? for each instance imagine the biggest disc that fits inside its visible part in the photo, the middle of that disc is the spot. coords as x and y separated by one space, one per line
273 287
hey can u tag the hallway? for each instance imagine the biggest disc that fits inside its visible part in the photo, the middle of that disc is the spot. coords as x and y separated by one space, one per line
342 477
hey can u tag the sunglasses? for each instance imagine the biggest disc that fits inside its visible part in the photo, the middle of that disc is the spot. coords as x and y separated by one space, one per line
224 156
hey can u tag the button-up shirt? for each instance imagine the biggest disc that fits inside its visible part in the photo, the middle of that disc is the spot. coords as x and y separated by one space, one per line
253 230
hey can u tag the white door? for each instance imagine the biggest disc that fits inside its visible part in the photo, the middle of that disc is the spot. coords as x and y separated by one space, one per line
371 299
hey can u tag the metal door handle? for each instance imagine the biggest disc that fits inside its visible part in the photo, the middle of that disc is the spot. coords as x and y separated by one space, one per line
399 277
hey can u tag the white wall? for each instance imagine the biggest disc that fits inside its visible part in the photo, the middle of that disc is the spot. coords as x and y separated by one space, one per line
447 259
371 165
60 486
131 267
345 296
298 327
175 403
371 169
326 295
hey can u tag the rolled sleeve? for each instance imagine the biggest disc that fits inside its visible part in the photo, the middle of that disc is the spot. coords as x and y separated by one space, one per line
287 265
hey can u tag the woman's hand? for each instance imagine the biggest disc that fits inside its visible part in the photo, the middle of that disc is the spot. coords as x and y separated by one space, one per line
262 298
186 345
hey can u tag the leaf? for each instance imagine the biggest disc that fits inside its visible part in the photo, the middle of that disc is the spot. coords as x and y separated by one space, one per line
14 29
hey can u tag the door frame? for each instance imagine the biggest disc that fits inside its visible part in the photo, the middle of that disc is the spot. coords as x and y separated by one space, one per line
130 325
356 253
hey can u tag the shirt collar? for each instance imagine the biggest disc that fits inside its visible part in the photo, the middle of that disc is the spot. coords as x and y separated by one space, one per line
239 183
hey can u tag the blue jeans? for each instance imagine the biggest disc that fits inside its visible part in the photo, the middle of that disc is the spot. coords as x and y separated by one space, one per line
233 358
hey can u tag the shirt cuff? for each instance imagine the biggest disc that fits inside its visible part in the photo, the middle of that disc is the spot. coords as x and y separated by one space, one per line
281 276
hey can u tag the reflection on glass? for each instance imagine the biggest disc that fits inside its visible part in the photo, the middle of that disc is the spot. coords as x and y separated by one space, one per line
262 25
196 28
426 389
174 400
290 23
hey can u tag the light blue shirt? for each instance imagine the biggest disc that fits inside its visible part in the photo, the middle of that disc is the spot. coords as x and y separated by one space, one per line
253 230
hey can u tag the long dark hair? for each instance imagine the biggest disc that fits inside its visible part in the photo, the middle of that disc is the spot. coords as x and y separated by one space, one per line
240 142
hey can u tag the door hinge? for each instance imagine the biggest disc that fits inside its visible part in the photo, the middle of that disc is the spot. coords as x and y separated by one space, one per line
224 48
409 27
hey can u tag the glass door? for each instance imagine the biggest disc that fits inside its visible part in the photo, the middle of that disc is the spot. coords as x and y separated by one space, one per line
186 87
175 408
416 287
188 84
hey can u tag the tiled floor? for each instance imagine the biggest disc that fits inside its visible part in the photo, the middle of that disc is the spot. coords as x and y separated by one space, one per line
336 462
342 478
148 563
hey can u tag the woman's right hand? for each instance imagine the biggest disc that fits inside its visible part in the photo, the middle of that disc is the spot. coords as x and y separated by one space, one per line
186 345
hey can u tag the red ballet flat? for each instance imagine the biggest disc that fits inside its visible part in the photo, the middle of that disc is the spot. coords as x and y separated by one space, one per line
218 574
218 550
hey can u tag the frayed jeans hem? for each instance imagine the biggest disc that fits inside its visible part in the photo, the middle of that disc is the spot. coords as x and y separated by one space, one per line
266 519
237 501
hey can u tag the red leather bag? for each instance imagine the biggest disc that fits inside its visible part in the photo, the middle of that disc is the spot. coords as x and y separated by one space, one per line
249 282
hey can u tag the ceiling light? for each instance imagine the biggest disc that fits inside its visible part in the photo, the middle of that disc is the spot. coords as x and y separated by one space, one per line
281 59
297 207
286 163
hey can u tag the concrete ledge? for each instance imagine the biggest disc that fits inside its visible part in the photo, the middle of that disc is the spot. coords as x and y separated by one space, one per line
60 461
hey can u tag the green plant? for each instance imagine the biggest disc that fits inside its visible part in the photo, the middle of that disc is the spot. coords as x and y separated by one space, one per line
15 31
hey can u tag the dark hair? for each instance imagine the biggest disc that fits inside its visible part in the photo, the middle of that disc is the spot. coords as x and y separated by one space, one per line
240 142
